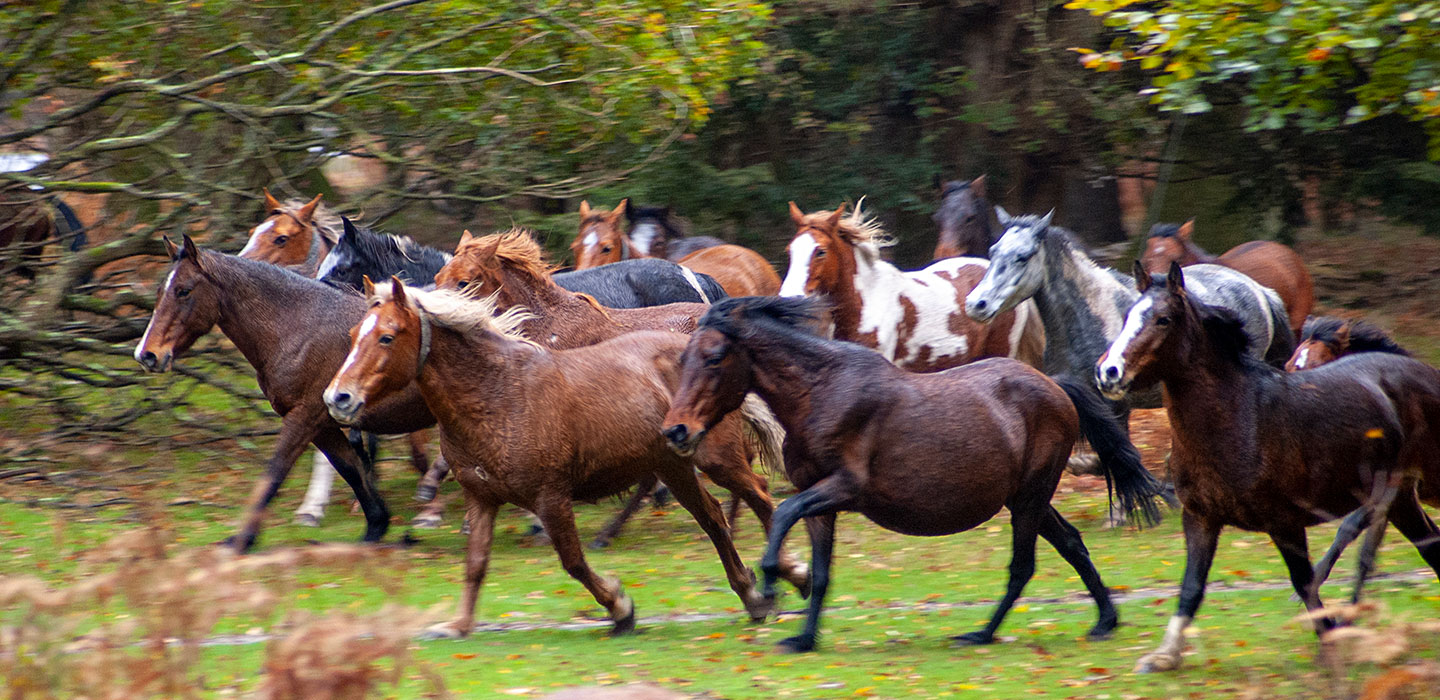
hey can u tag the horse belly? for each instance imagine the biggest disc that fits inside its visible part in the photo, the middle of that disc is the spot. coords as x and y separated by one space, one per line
945 518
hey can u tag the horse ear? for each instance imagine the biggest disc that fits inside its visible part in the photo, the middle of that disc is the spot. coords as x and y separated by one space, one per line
465 239
368 286
630 213
1142 278
348 228
397 289
1045 221
170 249
584 209
834 220
1002 215
271 203
188 248
1176 279
1186 229
1342 336
796 215
978 187
619 210
307 212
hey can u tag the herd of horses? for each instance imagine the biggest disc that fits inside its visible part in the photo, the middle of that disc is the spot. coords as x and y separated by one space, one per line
926 400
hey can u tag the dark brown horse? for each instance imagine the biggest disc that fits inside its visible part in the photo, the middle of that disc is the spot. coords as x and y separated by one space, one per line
919 454
510 269
538 428
28 222
1271 264
295 332
964 220
1266 451
1326 339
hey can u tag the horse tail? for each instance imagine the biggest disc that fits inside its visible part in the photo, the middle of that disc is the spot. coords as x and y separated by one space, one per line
1125 476
73 227
763 434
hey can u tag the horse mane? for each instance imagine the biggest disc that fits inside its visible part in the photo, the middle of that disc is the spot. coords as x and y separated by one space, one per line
1364 336
954 186
674 226
325 220
462 312
518 251
1226 331
864 232
1164 231
391 252
232 270
594 303
790 312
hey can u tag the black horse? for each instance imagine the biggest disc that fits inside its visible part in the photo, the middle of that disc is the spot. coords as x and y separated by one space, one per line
628 284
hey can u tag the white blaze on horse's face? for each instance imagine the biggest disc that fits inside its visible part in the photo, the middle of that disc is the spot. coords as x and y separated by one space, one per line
1303 358
333 259
1111 372
643 235
802 252
256 235
1017 269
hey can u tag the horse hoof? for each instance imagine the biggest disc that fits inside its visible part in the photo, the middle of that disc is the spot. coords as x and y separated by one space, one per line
972 639
801 573
600 544
307 520
240 543
759 607
426 522
799 644
1100 635
425 494
1157 663
625 624
444 630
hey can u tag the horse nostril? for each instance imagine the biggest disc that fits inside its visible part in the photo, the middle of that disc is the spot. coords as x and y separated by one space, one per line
341 399
979 304
676 433
147 359
1112 372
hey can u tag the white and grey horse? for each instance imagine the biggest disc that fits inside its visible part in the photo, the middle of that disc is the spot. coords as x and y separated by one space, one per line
1084 305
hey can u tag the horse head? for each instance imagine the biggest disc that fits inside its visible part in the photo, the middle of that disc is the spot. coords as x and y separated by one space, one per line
600 241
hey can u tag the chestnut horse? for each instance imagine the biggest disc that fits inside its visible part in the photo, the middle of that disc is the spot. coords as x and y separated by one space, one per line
919 454
294 234
964 220
510 269
740 271
1323 340
1268 451
294 331
1271 264
915 319
538 428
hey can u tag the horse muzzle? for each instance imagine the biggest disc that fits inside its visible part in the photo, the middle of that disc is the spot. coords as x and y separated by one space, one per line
681 440
154 363
978 308
1111 381
344 406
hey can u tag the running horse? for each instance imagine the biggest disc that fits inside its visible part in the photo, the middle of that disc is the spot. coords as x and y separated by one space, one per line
1271 264
294 234
964 220
510 269
28 222
655 233
915 319
914 453
741 271
1269 451
538 428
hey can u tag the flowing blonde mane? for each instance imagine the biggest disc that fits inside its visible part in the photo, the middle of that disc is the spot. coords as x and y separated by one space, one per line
864 231
462 312
325 220
517 250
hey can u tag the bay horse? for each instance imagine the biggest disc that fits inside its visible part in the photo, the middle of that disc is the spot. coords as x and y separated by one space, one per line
1323 340
1083 305
915 319
1271 264
295 332
28 222
510 270
294 234
919 454
538 428
654 233
601 241
1269 451
300 231
964 220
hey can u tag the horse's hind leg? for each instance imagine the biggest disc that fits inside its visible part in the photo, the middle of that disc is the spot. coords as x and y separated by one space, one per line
419 451
707 512
361 480
481 516
557 515
1295 550
1025 522
433 513
822 550
637 498
1416 526
1387 493
1066 540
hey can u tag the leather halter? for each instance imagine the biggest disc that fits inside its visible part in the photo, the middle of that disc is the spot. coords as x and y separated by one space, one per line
424 339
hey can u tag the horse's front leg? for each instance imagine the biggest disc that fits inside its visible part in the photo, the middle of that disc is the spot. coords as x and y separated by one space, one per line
1201 538
1295 550
557 515
338 450
612 529
1384 496
481 517
829 495
822 550
707 512
297 430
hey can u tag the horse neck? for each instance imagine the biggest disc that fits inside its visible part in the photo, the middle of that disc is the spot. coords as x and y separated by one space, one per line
254 313
562 318
786 371
319 248
1206 395
859 282
1194 254
1081 305
472 381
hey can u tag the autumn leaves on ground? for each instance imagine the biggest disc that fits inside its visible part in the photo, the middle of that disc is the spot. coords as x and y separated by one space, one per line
109 586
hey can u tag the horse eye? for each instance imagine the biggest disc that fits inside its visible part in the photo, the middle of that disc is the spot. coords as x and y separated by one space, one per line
280 240
387 339
1162 321
182 293
819 252
605 249
714 360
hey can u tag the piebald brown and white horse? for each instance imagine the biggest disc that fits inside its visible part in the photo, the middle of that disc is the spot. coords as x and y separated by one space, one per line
915 319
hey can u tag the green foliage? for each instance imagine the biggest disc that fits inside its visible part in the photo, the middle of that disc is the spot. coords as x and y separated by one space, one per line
1317 65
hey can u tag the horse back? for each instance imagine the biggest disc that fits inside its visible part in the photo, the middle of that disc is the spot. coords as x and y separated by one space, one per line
740 271
1280 268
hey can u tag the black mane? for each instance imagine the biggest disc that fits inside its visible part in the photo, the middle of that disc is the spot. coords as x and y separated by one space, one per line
363 252
791 312
1226 331
660 215
1364 336
1164 230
